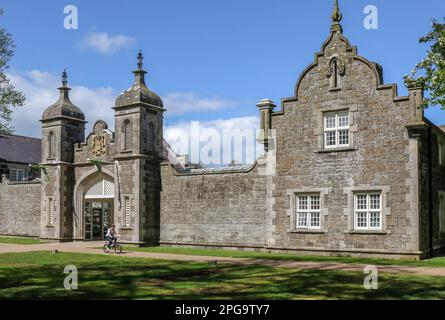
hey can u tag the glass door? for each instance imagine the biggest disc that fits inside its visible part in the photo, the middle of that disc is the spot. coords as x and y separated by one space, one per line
88 222
97 224
107 217
98 218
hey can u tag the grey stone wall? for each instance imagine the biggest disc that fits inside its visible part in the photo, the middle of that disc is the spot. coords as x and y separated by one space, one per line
431 185
20 208
213 209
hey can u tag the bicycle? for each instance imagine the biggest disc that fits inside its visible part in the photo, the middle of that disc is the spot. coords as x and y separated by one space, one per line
114 245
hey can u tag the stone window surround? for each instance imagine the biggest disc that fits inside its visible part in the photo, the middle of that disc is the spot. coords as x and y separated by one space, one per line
349 210
123 212
50 202
291 212
127 136
51 152
319 129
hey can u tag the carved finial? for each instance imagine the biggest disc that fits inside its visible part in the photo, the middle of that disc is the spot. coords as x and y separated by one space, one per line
336 14
140 60
64 78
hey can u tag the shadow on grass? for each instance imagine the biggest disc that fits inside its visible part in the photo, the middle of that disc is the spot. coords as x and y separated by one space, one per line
40 276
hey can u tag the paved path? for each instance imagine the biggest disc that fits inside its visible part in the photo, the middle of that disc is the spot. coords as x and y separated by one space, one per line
90 248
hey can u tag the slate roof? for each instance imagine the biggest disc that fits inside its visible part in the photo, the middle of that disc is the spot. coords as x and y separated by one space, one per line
19 149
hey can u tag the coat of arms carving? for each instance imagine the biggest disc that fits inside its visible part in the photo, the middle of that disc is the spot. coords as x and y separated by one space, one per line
98 146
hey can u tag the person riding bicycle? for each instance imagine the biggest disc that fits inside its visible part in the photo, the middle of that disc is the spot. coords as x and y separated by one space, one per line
111 235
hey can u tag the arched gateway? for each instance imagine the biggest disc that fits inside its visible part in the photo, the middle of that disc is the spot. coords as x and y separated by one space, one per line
94 206
107 177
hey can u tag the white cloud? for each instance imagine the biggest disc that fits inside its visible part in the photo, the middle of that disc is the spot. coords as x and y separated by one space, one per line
105 43
180 103
40 89
195 138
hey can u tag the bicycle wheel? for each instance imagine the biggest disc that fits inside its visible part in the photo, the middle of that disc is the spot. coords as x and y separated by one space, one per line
117 249
106 248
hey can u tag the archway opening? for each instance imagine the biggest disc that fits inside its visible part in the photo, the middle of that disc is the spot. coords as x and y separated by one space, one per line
98 208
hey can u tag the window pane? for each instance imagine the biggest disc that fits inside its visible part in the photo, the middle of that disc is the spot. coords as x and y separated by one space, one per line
302 203
302 220
315 203
343 137
315 220
343 119
13 175
374 202
374 220
362 203
330 121
361 220
330 138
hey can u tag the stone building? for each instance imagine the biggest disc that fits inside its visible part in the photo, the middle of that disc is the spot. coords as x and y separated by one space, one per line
16 154
350 168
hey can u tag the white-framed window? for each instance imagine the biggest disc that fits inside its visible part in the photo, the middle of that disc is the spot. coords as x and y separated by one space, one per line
368 211
308 214
442 152
17 175
127 212
50 219
336 129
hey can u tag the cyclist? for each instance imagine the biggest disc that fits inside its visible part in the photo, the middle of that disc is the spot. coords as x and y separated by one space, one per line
111 235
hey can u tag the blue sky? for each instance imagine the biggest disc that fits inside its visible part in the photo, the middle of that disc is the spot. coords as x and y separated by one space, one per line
210 60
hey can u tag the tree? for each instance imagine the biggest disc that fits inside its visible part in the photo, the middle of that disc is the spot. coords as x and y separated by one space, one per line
430 72
10 98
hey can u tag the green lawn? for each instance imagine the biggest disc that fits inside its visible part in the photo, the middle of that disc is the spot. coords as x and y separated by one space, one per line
39 275
436 262
19 240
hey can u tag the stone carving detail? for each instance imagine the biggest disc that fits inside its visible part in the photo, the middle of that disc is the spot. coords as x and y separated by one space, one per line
336 69
98 145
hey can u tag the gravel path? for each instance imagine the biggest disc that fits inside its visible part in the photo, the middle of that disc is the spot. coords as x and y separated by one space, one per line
90 248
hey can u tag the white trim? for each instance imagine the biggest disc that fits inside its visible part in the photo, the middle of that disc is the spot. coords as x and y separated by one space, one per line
368 211
308 212
336 129
14 175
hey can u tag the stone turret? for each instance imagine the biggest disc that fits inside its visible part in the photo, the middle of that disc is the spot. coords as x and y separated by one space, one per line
63 126
139 123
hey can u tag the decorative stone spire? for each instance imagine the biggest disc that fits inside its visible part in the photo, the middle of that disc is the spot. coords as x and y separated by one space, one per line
64 78
140 73
140 60
64 89
63 107
139 92
336 18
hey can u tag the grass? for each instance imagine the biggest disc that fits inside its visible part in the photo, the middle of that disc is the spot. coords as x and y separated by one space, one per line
435 262
19 240
39 275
